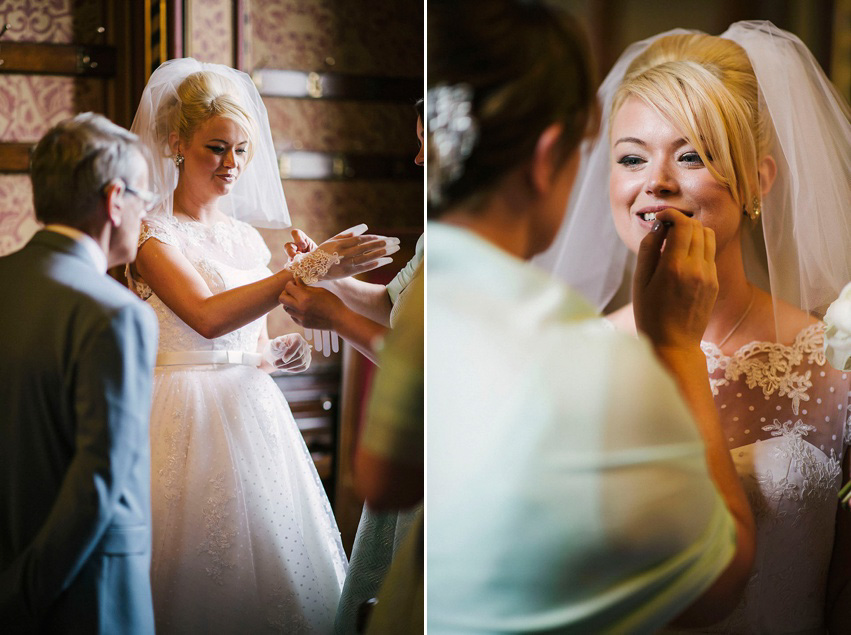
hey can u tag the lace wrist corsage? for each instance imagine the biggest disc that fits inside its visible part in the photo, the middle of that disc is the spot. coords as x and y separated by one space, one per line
311 268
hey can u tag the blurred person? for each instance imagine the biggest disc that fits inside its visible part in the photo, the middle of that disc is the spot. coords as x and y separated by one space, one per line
244 536
573 484
389 462
75 384
744 133
362 313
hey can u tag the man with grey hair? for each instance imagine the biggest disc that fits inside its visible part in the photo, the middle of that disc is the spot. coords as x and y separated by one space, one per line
78 351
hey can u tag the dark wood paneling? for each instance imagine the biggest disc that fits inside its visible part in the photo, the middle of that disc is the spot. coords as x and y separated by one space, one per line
14 157
335 166
302 85
57 59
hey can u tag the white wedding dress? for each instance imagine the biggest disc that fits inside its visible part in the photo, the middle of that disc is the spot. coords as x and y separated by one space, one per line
784 412
244 540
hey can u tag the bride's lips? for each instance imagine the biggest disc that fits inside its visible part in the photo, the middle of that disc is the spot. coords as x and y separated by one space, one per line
647 215
227 178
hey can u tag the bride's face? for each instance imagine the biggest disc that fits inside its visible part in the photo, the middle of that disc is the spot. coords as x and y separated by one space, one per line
654 167
215 157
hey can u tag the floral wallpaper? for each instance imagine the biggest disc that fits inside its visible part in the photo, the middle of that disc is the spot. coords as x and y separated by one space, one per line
17 222
31 104
54 21
343 126
211 31
376 38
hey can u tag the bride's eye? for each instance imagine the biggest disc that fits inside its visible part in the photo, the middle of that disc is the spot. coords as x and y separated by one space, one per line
630 161
691 158
217 149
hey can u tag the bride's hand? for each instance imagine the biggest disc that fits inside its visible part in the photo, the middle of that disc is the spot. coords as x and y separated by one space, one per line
300 244
358 252
675 287
289 352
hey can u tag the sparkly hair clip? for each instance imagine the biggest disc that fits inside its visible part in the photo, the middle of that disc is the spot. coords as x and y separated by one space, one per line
453 132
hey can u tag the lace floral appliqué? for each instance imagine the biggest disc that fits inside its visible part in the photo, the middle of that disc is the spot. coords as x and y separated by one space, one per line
770 366
219 537
818 476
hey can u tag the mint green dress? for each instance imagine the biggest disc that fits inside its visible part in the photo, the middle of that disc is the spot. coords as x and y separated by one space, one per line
379 535
568 490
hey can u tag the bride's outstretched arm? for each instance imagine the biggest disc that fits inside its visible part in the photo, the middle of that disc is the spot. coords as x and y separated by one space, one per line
176 282
674 291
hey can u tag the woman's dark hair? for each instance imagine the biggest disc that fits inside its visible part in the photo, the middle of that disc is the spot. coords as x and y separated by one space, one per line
527 66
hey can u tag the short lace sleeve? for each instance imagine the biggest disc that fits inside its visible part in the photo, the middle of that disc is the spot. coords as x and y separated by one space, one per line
160 229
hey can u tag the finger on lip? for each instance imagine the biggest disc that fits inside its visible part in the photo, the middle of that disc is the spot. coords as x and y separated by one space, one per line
669 216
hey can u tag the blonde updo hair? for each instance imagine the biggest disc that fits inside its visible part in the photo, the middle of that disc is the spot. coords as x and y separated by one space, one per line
204 95
706 87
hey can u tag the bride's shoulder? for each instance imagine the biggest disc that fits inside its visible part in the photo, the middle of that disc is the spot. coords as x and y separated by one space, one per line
623 319
787 322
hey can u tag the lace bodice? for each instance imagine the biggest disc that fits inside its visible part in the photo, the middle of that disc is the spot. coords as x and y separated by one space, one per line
226 255
784 412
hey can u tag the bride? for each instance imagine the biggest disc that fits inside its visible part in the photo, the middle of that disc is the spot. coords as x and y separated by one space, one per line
744 133
244 537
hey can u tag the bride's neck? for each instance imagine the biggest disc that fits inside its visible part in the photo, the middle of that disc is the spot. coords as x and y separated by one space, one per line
188 203
735 297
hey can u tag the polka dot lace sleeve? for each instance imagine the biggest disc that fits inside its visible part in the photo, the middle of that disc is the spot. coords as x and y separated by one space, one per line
784 413
767 389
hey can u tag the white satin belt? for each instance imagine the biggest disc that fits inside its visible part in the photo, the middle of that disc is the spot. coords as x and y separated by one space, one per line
191 358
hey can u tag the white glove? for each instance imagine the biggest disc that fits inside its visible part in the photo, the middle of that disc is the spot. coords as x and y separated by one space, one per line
346 254
289 352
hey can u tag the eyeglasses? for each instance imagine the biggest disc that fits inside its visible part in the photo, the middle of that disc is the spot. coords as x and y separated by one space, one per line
148 198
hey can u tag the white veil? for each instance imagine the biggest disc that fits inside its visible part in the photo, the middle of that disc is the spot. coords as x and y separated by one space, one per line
258 197
799 248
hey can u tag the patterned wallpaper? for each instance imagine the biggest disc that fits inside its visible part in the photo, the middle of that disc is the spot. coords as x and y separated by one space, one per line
31 104
375 38
380 38
343 126
17 222
210 27
55 21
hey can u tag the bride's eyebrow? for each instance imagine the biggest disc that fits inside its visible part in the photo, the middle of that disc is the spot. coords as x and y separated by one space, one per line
238 143
635 140
676 144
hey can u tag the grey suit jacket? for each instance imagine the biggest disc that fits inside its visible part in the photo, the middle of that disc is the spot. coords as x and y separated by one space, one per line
77 352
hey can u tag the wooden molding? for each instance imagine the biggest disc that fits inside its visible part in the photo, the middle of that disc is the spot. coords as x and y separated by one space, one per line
15 157
57 59
310 85
337 166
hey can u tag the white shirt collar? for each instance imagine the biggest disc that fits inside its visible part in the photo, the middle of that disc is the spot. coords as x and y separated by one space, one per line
93 249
